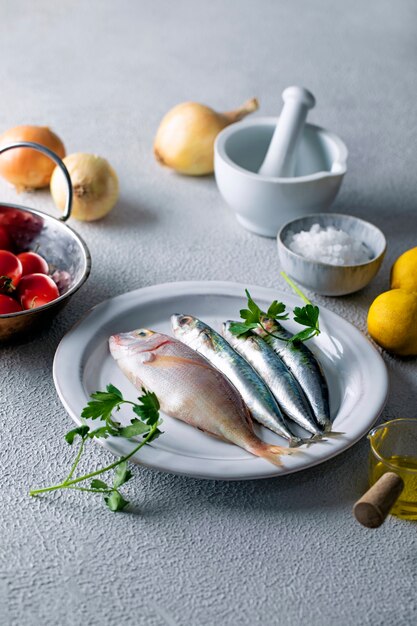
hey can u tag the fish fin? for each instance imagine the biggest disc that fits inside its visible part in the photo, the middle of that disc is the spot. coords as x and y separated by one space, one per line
314 438
324 436
146 357
329 432
332 433
272 453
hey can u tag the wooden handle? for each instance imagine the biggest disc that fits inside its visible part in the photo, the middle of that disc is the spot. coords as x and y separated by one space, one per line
374 506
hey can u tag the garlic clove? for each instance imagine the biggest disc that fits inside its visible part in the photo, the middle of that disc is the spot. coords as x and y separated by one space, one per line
185 138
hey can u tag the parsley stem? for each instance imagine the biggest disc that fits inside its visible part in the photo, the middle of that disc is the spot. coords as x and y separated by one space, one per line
68 484
304 298
295 288
91 490
76 460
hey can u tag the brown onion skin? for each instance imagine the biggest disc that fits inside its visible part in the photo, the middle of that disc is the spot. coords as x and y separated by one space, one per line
25 168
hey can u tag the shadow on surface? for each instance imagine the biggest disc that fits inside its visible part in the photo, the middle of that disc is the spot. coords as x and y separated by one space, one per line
335 483
127 214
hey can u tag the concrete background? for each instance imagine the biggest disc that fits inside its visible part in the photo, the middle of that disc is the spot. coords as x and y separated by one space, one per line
284 551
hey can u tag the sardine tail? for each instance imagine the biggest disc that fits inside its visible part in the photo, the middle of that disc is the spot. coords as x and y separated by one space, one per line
332 433
314 439
324 436
272 453
328 426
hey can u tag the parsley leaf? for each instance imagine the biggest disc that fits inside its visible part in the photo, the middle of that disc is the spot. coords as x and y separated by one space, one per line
253 316
307 315
135 428
98 484
303 335
103 403
148 411
275 311
148 407
115 501
103 432
113 390
238 329
121 475
81 431
253 307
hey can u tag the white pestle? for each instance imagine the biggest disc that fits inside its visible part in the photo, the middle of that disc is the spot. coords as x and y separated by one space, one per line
280 158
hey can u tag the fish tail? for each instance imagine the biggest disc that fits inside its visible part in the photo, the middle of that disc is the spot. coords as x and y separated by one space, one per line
314 438
272 453
328 430
324 436
332 433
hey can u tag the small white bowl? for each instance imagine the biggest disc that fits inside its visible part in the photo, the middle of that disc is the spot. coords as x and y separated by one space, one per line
263 204
323 278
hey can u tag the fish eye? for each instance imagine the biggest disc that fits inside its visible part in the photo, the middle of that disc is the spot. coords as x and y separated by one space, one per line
141 333
184 320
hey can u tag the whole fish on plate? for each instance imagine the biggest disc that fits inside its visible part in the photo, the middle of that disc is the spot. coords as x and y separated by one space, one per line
303 364
272 369
189 388
255 393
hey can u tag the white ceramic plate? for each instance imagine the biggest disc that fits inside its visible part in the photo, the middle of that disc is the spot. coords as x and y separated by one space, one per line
355 372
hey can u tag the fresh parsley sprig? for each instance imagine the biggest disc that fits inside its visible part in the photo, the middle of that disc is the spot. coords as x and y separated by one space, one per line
102 405
307 315
254 317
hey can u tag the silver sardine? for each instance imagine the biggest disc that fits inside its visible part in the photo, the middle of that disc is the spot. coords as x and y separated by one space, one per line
272 369
256 395
307 370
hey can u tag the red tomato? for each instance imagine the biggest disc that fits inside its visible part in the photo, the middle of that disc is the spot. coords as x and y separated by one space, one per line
35 290
22 225
8 305
32 263
5 239
10 270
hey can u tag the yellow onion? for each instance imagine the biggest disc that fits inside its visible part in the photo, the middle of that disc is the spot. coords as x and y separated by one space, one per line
94 183
26 168
185 138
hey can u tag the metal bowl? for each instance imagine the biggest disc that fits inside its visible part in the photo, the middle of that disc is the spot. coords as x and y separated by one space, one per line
66 253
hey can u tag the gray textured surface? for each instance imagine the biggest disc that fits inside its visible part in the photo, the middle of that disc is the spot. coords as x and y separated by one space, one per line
287 551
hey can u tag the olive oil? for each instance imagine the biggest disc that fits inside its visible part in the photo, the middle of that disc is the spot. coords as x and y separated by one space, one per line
406 467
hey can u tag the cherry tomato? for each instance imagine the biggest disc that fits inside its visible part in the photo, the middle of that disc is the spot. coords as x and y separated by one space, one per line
35 290
32 263
8 305
23 226
10 270
5 239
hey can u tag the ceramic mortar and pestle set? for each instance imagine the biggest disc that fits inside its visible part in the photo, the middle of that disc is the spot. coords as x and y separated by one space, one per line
271 170
280 176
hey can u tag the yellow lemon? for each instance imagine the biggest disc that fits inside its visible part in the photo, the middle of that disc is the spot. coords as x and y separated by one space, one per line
392 321
404 271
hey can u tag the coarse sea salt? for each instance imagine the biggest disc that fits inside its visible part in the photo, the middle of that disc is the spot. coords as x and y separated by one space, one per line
328 245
